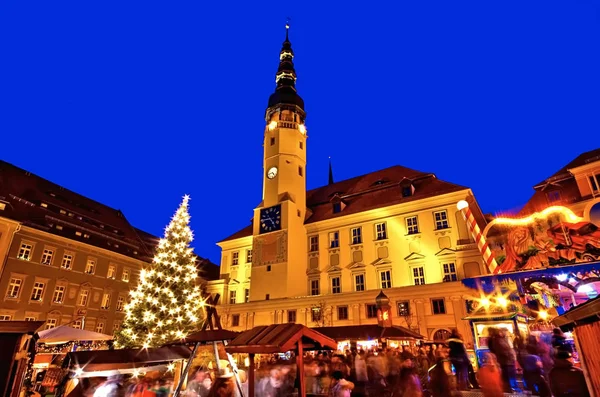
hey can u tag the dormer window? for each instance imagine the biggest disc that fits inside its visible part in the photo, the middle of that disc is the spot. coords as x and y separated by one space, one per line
379 182
408 190
553 196
337 207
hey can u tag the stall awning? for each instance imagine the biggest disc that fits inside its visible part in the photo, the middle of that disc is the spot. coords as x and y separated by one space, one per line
487 283
279 338
105 360
584 313
493 316
367 332
64 334
20 327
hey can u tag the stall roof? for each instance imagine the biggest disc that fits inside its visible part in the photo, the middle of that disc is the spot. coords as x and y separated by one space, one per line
584 313
493 316
104 360
20 327
64 334
367 332
207 336
279 338
488 282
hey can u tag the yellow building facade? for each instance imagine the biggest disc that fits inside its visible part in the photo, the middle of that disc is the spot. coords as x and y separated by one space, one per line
320 257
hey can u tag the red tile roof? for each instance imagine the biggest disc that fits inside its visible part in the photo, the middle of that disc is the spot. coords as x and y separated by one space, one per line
563 173
377 189
24 193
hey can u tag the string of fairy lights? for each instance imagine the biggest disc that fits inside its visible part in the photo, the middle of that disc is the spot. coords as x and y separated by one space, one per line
165 305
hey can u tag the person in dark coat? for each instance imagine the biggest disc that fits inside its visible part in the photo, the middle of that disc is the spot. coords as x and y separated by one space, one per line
459 358
565 379
439 379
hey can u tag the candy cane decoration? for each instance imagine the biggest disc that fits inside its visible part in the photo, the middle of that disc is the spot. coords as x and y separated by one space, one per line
482 244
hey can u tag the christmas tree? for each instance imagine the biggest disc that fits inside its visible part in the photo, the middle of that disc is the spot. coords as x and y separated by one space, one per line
166 303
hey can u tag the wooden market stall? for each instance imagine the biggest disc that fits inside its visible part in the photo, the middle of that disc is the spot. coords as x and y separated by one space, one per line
370 335
16 346
280 338
106 363
584 322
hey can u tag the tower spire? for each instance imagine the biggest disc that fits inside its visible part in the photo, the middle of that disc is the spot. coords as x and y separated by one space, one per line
285 79
330 173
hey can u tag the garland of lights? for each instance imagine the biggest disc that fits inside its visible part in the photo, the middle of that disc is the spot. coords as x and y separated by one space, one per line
166 303
68 346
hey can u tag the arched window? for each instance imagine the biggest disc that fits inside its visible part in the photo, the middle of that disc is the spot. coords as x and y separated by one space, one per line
441 335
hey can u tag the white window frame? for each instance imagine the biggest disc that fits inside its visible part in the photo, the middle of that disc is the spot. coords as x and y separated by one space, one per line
381 231
126 275
313 243
38 291
13 284
333 287
83 298
112 271
235 258
448 272
106 301
90 266
387 282
232 297
120 303
116 326
30 318
100 327
356 235
77 324
67 260
249 255
5 317
420 277
596 178
311 289
60 290
443 222
47 256
412 224
25 250
364 281
51 323
334 239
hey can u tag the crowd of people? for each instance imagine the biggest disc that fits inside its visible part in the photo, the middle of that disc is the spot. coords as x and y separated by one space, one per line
442 370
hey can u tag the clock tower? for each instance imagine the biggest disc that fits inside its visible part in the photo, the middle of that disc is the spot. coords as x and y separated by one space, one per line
279 237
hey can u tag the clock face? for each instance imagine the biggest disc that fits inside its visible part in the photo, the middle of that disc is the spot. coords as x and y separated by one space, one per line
270 219
272 173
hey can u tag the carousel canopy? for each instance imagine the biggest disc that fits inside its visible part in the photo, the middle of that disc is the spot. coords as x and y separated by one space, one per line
577 272
64 334
280 338
367 332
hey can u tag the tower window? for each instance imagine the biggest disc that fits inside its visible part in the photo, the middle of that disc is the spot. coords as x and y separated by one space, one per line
272 141
301 145
300 171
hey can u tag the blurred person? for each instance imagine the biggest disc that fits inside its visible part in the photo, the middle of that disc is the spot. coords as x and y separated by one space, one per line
340 387
566 379
224 385
112 387
361 373
459 358
499 344
533 372
489 377
543 351
200 385
408 381
440 384
559 342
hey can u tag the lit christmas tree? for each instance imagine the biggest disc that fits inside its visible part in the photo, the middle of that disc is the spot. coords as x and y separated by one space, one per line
166 303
